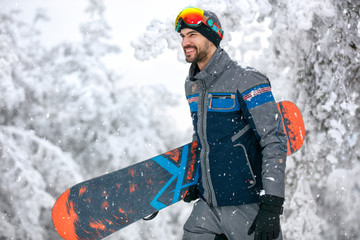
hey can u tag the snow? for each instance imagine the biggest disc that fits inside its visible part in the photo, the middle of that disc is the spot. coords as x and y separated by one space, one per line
271 179
81 100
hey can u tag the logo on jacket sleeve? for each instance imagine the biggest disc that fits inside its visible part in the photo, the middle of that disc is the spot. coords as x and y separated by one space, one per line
193 99
193 102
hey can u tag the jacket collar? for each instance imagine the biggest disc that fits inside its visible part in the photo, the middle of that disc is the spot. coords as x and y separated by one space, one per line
213 69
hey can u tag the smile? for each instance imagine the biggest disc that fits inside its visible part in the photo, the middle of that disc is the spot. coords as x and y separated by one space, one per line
189 50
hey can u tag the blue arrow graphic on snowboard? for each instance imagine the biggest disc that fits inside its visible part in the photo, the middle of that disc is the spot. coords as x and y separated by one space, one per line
178 173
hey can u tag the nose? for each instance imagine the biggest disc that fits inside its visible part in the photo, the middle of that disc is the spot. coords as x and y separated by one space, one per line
185 41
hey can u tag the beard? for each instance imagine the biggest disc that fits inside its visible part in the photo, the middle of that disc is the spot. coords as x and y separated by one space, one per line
201 53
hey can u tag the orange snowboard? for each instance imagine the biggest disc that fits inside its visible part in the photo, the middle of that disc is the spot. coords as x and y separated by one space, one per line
293 124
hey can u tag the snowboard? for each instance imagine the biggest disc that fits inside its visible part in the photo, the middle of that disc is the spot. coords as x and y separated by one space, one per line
98 207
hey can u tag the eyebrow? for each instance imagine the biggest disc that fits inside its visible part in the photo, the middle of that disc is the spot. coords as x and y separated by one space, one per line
188 33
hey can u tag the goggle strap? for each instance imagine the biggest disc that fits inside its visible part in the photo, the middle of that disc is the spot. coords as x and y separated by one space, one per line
213 25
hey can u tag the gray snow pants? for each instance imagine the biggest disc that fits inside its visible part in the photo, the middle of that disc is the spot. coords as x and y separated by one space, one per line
234 221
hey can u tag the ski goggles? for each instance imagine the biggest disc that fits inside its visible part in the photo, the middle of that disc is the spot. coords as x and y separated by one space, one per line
194 17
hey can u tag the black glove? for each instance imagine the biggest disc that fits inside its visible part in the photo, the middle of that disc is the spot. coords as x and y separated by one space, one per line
192 194
266 225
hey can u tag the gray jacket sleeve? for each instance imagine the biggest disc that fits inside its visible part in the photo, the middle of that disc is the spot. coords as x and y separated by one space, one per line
260 108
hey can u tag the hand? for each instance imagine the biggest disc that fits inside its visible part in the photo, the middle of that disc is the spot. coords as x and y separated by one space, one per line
192 194
266 225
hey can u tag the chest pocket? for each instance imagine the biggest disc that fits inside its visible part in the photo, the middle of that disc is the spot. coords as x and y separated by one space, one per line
223 102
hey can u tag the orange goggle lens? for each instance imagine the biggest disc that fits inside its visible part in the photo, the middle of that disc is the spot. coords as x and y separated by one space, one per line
191 16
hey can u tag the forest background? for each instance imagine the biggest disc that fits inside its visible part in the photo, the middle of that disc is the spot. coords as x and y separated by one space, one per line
81 96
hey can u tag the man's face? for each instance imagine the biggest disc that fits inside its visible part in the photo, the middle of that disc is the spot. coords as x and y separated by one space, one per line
196 46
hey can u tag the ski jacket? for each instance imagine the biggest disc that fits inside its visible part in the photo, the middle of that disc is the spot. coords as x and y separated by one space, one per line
239 131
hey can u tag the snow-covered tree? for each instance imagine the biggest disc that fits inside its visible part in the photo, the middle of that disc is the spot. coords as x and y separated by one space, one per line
30 175
33 171
320 51
64 117
330 79
94 114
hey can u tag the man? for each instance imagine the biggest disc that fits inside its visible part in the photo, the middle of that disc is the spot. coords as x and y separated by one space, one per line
240 136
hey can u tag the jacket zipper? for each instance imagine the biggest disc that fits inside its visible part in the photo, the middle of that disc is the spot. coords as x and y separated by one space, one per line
203 129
